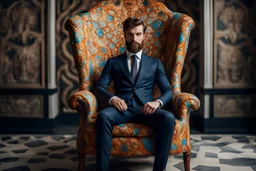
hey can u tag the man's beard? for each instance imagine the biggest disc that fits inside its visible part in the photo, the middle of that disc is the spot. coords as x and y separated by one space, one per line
133 46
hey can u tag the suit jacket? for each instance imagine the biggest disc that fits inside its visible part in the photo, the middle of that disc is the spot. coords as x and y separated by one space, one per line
151 72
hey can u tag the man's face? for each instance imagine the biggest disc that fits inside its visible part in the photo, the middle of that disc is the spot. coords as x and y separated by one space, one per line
134 38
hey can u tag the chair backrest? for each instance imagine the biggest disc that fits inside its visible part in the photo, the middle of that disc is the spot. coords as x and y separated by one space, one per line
97 35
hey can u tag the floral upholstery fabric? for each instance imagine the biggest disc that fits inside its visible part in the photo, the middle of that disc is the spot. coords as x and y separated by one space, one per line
97 35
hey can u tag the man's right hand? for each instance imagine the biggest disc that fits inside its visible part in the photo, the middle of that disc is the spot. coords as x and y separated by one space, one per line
119 104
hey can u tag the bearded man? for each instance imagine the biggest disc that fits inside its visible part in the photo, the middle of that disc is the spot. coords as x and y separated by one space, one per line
134 75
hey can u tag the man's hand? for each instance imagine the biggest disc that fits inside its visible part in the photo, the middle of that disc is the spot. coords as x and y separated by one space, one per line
119 104
150 107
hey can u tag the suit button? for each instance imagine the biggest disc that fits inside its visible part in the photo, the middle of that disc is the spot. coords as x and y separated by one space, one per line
134 88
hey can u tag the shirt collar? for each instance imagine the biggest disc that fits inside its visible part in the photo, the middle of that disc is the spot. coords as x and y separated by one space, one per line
138 54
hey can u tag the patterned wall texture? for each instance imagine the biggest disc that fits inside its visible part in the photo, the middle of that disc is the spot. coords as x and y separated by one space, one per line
235 43
67 74
234 106
25 106
22 44
22 56
234 57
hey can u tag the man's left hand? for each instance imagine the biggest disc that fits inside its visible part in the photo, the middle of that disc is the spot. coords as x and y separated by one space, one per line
150 107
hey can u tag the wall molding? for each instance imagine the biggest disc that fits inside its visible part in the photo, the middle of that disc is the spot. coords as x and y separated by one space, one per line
207 42
206 67
53 107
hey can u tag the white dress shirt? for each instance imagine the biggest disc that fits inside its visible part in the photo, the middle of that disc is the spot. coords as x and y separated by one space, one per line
129 59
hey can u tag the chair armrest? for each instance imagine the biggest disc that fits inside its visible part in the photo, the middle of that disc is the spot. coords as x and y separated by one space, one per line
84 102
184 104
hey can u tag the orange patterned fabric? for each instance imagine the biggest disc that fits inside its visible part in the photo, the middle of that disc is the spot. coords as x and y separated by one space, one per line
97 35
132 130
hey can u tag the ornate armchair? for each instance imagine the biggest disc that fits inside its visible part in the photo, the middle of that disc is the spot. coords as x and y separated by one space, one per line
97 35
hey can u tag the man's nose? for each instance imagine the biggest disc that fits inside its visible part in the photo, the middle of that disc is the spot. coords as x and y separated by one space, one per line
134 38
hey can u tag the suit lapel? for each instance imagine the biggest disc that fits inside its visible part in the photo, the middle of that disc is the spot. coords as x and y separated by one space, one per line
145 63
122 62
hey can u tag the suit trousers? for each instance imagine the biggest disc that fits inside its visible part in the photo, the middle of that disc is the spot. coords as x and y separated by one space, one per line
162 120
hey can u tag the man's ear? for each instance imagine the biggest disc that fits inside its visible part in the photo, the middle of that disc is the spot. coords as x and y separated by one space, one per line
144 36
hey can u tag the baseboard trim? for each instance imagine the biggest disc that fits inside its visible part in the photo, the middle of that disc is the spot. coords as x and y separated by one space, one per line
63 123
223 125
26 126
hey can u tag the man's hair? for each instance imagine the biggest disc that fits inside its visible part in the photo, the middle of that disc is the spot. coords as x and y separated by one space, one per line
133 22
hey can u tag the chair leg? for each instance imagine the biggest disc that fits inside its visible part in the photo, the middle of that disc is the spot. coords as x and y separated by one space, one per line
81 158
186 159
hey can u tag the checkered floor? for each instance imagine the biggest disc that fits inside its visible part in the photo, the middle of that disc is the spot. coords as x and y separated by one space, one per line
57 153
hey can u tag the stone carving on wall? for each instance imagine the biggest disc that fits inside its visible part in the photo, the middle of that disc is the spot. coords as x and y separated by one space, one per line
26 106
22 44
67 78
226 106
235 49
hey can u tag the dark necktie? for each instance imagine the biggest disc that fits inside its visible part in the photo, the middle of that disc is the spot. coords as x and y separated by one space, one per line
134 68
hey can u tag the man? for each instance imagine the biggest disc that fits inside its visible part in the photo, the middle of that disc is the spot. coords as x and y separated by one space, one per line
134 75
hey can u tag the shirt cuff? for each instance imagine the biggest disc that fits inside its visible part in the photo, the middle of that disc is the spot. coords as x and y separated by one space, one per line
161 103
110 100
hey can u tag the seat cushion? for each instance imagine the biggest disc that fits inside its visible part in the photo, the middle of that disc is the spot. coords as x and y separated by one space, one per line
131 130
126 145
127 129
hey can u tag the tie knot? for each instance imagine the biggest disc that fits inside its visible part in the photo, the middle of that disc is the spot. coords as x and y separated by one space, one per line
133 57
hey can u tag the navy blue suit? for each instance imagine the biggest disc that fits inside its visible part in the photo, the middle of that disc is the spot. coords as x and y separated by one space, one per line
135 94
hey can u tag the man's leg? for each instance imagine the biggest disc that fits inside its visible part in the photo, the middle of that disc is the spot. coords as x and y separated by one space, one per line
105 121
164 122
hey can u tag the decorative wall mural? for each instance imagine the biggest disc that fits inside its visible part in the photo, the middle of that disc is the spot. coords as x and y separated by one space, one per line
230 106
67 78
22 44
235 48
26 106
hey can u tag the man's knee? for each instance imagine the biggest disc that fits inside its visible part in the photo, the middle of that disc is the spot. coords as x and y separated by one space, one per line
168 117
171 116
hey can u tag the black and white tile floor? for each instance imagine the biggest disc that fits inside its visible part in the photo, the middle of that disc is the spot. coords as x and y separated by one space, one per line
57 153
